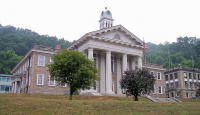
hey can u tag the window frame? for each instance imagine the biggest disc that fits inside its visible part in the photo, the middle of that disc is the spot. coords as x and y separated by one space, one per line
42 79
51 80
160 75
160 89
40 60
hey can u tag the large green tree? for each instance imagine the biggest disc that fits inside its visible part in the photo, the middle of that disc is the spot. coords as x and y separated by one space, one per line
8 59
73 68
137 82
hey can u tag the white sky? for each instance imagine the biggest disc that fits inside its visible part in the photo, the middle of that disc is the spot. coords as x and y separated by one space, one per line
155 20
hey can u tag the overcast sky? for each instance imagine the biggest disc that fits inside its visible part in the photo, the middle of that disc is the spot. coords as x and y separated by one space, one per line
155 20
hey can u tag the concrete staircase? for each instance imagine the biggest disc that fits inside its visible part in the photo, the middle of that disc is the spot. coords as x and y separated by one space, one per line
161 99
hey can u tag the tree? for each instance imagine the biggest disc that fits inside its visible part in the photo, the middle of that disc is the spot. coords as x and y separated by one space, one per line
72 67
8 59
138 81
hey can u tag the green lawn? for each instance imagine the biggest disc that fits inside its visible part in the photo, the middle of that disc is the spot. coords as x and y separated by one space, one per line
59 104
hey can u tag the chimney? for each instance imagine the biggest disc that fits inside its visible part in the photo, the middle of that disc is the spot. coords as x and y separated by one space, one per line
57 47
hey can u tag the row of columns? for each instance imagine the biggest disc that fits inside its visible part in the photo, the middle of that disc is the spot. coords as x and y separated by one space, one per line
106 75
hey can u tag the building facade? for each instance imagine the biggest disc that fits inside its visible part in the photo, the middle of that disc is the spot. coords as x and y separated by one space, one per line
114 50
158 72
31 74
181 82
5 83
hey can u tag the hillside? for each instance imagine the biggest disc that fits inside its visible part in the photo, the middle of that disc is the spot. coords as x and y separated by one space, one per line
15 43
183 52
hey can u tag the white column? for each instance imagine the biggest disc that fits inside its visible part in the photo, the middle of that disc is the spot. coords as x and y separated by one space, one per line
102 74
139 62
108 73
15 87
124 62
90 53
119 75
133 63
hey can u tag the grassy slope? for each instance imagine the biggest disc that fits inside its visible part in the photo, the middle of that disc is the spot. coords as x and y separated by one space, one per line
59 104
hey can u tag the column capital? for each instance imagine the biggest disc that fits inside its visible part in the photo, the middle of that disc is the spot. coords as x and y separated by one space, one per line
90 49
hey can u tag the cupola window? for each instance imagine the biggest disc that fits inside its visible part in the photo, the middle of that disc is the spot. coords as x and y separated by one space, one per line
116 36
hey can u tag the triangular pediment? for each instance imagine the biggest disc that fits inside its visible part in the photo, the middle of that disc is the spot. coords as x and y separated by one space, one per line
125 37
117 32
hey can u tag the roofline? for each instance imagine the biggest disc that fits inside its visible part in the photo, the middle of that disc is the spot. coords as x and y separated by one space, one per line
27 54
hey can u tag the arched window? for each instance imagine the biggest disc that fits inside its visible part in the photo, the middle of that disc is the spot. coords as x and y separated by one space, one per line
116 36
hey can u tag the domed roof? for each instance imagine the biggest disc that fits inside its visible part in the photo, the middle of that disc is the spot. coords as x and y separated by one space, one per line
106 13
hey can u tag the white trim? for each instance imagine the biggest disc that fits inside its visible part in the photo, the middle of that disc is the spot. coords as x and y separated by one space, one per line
167 81
176 80
160 76
171 81
159 89
185 79
42 79
42 60
50 81
187 95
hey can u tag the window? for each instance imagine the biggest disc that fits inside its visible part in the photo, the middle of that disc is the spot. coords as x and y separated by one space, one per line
8 79
172 85
51 81
185 75
152 73
171 77
112 64
153 90
166 77
95 86
167 86
187 94
176 83
195 85
2 87
62 84
192 95
160 89
95 59
190 76
116 36
186 84
177 94
159 76
51 60
194 76
3 78
198 76
191 85
175 75
40 79
41 60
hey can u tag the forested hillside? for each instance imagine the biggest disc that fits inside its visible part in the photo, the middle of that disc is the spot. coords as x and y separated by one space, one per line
15 43
183 52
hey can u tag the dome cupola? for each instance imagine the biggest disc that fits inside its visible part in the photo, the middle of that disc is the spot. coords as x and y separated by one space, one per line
106 19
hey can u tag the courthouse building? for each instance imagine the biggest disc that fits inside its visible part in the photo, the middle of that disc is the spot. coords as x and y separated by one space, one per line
113 48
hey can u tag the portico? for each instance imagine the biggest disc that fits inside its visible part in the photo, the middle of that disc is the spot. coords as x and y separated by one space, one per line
114 50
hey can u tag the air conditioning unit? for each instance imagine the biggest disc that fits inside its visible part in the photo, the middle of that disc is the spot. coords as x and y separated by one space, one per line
24 72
